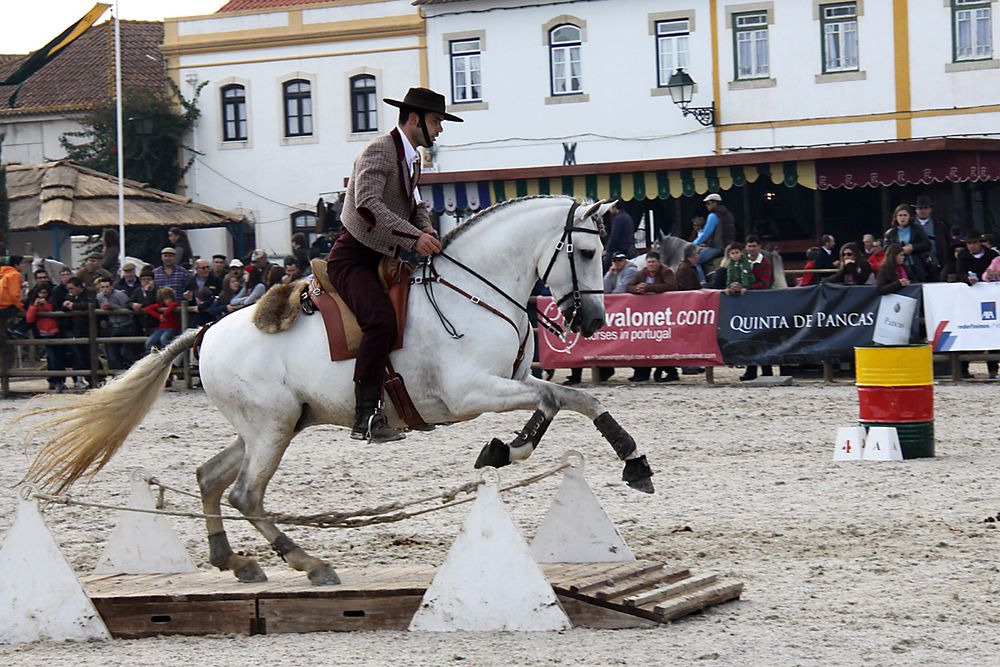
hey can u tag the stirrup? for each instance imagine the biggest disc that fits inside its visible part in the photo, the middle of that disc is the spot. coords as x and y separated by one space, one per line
380 431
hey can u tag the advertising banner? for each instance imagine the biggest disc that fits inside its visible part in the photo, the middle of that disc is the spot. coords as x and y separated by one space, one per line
670 329
962 317
801 325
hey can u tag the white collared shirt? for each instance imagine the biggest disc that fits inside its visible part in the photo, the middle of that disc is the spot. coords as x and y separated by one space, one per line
411 156
760 258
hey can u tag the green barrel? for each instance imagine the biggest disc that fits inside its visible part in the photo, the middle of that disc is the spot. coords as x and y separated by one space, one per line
915 438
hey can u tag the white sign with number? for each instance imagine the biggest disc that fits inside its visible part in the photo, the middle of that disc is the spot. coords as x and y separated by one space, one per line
850 443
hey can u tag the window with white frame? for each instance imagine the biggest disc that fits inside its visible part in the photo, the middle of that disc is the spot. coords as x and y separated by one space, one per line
840 36
305 222
751 48
972 29
466 71
672 40
298 108
565 45
234 113
364 112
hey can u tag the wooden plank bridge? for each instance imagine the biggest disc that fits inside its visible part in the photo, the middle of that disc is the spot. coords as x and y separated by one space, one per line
594 595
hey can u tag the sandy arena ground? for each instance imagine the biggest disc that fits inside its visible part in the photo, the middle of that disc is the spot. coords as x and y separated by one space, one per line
844 564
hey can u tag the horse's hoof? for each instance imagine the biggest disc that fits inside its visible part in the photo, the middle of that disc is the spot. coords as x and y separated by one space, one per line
637 474
645 485
251 573
495 454
324 576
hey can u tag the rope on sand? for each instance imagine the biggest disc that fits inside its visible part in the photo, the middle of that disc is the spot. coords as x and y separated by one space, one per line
385 513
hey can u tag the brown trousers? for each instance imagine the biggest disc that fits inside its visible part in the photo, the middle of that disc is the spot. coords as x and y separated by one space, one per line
353 271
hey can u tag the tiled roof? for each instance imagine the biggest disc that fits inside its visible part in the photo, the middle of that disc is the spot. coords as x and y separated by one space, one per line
83 76
250 5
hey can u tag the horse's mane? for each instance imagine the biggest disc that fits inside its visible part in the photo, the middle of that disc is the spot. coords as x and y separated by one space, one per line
486 212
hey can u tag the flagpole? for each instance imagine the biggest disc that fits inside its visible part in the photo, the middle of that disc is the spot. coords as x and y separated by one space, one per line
119 143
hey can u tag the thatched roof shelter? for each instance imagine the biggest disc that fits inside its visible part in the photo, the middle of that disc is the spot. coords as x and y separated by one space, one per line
63 193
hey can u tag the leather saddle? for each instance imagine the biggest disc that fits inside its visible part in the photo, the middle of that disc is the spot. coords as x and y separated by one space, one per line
342 330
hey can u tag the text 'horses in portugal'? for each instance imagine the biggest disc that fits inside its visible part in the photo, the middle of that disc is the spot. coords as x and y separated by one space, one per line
466 351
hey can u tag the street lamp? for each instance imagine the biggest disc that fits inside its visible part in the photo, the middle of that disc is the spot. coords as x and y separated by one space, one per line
681 87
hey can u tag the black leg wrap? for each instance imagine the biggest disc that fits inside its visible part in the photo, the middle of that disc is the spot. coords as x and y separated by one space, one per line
621 441
218 549
282 545
496 454
638 474
533 431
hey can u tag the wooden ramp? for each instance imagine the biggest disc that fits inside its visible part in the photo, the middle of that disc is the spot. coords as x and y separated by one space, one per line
594 595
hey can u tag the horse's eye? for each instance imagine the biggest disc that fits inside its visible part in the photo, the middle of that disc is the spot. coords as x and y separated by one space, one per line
588 254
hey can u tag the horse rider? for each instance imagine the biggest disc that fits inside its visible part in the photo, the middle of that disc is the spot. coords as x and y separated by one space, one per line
382 215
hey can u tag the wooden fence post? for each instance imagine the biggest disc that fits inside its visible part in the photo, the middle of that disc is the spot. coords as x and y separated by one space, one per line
186 357
95 359
4 366
827 372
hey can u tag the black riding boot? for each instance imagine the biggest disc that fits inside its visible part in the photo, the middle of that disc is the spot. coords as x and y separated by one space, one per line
369 422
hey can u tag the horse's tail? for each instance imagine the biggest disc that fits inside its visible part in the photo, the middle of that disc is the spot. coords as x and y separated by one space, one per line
90 428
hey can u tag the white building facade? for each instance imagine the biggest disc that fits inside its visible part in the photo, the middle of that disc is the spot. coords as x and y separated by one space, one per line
290 97
824 95
780 73
826 112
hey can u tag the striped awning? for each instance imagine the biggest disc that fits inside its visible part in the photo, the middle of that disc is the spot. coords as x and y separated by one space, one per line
635 186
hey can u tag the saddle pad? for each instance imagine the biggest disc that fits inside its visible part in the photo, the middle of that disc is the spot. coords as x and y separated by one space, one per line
342 329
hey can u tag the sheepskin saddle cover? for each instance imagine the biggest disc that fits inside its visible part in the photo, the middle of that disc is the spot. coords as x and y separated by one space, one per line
281 305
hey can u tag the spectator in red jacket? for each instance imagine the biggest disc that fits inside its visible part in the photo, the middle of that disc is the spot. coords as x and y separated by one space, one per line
762 279
47 328
165 312
761 265
809 278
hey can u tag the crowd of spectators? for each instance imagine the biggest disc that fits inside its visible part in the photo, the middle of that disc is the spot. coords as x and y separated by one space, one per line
917 247
133 302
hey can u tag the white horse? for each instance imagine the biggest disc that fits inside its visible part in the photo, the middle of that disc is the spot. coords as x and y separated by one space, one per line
451 377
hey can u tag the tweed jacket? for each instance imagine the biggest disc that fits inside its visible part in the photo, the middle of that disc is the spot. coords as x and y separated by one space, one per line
379 207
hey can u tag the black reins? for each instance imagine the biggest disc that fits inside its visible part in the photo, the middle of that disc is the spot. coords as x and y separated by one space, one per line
430 276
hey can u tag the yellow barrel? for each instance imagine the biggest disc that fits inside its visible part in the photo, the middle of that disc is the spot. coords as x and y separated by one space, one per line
896 366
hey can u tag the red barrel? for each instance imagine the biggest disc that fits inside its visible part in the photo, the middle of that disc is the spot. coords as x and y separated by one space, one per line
896 404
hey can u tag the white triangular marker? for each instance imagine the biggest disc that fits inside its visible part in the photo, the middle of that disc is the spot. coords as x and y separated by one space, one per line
143 543
40 596
882 444
576 529
489 581
850 443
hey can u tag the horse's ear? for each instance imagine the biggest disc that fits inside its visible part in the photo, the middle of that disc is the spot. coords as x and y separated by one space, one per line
597 208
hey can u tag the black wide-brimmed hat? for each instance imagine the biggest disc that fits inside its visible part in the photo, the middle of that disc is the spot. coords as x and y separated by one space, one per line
423 99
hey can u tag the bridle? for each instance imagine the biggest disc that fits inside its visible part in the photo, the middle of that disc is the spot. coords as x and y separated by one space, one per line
430 276
566 241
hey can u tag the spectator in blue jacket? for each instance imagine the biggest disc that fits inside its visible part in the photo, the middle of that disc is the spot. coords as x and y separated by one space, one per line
621 238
